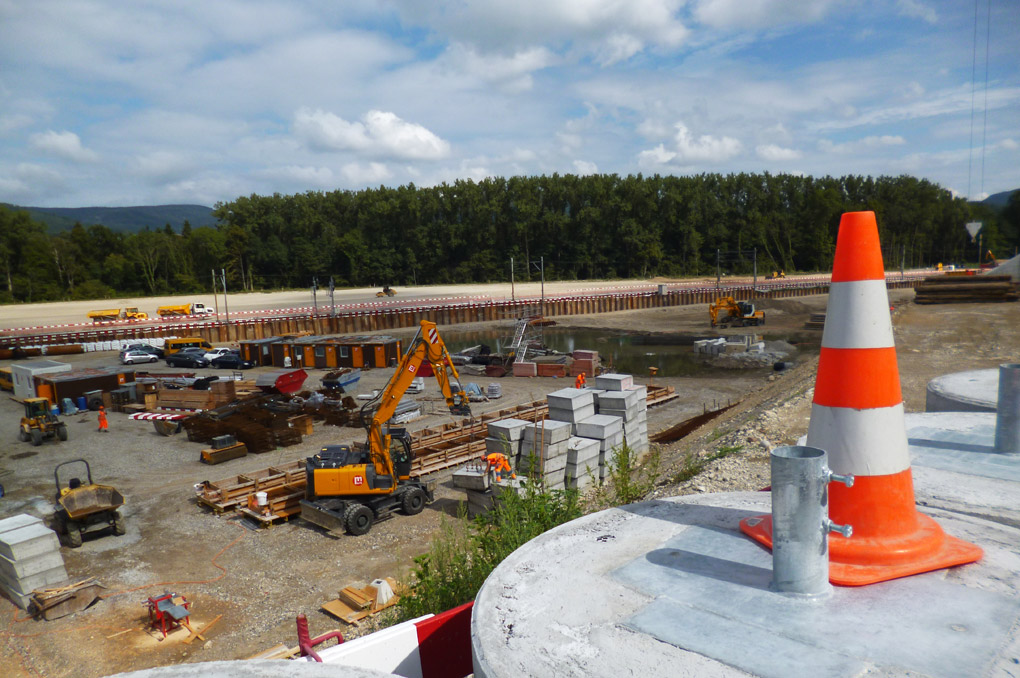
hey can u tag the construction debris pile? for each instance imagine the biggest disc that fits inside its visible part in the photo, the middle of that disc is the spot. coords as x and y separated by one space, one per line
740 351
957 289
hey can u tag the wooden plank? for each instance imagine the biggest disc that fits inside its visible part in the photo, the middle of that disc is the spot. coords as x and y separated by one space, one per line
204 629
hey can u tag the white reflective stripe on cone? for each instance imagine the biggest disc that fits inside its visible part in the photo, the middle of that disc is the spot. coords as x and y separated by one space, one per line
858 316
862 442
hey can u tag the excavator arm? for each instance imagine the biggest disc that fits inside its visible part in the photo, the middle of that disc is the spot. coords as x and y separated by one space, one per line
426 345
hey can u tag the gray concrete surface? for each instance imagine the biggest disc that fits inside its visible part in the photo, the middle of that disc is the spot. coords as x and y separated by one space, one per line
672 587
971 391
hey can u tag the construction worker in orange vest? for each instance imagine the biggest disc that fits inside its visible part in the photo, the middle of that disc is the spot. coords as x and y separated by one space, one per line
497 464
580 381
103 425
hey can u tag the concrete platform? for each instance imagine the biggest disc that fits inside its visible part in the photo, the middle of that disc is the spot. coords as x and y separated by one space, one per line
672 587
955 466
256 669
972 391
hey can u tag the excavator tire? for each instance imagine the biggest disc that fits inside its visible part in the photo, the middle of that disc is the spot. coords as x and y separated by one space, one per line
62 432
119 527
413 501
36 437
358 519
23 435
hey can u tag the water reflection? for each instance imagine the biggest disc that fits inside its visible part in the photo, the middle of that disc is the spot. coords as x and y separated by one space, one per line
626 353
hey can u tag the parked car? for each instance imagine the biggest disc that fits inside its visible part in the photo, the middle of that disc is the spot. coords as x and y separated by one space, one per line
232 361
185 359
158 352
133 355
217 352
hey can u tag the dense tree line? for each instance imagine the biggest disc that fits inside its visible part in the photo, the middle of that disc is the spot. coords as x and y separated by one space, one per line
600 226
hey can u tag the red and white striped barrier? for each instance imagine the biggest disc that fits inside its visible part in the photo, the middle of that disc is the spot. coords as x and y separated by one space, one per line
433 646
162 416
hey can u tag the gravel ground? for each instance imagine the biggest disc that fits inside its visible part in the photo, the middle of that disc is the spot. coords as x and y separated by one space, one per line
269 576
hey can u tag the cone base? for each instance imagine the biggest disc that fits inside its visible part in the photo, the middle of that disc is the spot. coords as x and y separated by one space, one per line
928 550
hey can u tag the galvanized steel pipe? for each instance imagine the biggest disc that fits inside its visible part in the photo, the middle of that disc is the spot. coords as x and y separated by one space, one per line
1007 417
800 521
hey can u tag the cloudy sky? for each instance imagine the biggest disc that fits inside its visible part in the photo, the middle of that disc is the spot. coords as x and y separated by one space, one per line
147 102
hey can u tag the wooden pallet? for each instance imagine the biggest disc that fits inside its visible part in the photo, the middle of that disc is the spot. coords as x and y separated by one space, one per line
211 456
283 503
658 395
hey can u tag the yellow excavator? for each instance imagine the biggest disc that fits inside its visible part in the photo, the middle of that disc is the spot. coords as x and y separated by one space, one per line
39 423
738 313
349 488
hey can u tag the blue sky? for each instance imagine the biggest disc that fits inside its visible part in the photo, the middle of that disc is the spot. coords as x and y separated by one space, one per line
153 102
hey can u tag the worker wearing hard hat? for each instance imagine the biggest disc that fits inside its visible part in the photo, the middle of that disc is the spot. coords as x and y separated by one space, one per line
580 382
498 464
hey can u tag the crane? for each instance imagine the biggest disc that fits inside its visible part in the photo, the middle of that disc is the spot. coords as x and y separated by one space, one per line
352 488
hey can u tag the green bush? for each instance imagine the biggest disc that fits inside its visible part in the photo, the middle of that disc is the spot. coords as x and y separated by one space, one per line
464 552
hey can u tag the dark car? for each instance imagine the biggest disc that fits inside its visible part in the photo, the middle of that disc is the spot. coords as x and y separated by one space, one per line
158 352
182 359
232 361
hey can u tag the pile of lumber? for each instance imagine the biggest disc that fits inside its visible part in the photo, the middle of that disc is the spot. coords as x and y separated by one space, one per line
353 604
260 429
967 289
231 494
816 322
54 603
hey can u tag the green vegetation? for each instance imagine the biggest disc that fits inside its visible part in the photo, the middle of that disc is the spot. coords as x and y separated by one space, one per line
464 552
630 477
600 226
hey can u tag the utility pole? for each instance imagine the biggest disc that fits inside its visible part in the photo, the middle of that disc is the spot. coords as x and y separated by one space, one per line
332 301
216 299
718 272
315 303
223 279
542 263
754 286
511 279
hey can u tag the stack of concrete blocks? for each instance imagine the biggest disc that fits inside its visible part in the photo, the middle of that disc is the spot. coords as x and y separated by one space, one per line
571 405
29 558
710 346
629 402
582 462
544 452
608 432
504 437
482 492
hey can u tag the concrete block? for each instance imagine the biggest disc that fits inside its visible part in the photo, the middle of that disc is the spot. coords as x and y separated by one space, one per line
571 398
619 400
548 431
581 482
507 485
554 480
614 382
642 391
471 478
481 500
500 446
599 426
26 567
510 429
573 416
625 415
546 451
25 585
18 521
581 451
26 542
22 600
612 441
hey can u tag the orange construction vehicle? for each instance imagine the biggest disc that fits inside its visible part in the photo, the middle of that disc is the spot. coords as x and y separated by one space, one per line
738 313
350 488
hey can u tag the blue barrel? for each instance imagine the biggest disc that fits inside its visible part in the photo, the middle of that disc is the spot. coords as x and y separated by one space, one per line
81 403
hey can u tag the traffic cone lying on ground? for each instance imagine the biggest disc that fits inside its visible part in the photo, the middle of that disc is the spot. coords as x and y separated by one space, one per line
857 417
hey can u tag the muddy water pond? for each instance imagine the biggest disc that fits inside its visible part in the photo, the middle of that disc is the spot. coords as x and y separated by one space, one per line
623 352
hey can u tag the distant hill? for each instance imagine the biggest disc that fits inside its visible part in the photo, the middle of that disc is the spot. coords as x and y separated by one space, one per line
126 219
999 200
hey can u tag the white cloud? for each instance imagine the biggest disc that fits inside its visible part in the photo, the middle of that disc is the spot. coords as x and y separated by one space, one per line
758 14
164 165
917 9
11 123
584 168
1009 144
363 175
379 134
512 74
655 157
64 144
28 182
705 148
304 175
609 30
774 153
857 145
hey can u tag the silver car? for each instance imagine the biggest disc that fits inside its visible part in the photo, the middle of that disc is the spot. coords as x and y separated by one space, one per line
134 355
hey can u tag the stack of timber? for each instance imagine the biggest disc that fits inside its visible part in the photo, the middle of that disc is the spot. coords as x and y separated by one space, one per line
282 502
967 289
231 494
252 423
353 604
54 603
221 454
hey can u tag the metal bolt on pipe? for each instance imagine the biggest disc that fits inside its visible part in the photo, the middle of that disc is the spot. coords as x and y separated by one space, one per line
1007 416
800 521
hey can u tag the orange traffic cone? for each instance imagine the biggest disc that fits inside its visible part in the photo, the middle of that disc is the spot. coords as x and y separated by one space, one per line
857 417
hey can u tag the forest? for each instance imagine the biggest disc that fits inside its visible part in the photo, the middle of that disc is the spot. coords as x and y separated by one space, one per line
562 226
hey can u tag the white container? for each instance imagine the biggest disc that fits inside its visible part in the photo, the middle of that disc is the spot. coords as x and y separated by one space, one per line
261 498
